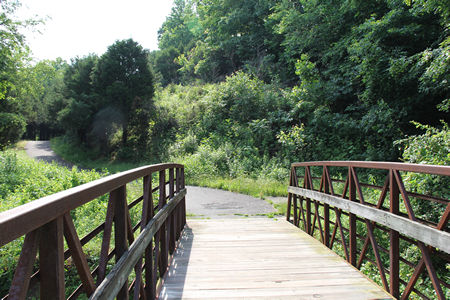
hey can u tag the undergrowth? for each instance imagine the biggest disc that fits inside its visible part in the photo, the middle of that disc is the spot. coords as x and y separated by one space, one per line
88 158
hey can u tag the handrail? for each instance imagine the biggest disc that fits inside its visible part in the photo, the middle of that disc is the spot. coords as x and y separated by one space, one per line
407 167
47 221
109 287
388 214
25 218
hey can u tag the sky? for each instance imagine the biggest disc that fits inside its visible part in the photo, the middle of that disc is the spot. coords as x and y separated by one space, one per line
78 28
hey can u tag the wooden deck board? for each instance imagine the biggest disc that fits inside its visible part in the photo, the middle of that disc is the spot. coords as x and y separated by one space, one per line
260 258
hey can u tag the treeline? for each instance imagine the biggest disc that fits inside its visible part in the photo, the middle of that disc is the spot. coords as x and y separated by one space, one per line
264 83
243 86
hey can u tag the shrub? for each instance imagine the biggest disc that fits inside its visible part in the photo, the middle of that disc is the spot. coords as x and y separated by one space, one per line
432 147
12 127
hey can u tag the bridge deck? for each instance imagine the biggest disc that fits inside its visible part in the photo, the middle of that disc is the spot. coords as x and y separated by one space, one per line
260 258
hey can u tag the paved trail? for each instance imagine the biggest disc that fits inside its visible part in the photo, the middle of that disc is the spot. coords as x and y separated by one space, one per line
41 150
213 203
200 202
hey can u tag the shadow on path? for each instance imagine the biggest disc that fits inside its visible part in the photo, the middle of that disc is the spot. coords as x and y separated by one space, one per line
41 150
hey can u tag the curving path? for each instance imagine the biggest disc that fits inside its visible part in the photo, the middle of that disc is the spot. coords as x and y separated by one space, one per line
41 150
200 202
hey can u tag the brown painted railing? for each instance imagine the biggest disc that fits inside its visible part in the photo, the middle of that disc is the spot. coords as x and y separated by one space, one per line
385 228
47 221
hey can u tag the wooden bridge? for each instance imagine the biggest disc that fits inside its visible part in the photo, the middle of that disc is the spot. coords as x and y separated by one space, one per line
398 235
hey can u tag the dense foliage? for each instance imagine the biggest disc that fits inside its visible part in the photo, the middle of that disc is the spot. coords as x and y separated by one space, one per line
13 56
265 82
108 100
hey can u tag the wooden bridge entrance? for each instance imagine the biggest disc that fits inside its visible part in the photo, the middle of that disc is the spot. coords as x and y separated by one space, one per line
397 231
260 258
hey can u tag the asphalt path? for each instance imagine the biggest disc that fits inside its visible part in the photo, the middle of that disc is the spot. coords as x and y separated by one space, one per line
41 150
201 202
212 203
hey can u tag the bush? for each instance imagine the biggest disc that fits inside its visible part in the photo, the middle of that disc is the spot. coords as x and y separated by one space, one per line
12 127
432 147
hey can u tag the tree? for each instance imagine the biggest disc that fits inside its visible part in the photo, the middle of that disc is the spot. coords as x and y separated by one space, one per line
123 80
177 36
181 28
13 58
40 93
81 103
238 30
12 126
165 66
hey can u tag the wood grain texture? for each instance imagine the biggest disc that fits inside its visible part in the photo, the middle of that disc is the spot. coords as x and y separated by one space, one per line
260 258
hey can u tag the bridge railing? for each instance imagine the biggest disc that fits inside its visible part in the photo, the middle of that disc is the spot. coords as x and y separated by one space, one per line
46 222
396 231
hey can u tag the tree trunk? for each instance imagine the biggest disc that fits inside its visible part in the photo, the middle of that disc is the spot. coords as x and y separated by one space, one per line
124 134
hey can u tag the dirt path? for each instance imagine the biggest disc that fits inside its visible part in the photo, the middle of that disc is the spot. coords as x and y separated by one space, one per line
200 202
41 150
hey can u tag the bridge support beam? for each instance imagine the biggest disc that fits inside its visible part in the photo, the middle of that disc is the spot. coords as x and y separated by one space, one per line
119 198
51 259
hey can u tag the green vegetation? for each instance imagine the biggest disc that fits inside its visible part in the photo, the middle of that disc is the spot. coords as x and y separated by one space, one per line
237 91
23 180
254 187
241 89
89 159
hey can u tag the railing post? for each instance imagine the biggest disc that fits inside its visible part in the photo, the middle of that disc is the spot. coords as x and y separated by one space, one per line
148 213
119 200
307 183
178 215
163 260
289 202
394 249
172 228
183 207
326 209
51 259
352 220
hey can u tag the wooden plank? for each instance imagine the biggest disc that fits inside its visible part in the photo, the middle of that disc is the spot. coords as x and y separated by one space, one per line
21 279
119 199
79 258
106 239
428 235
51 260
163 234
260 259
